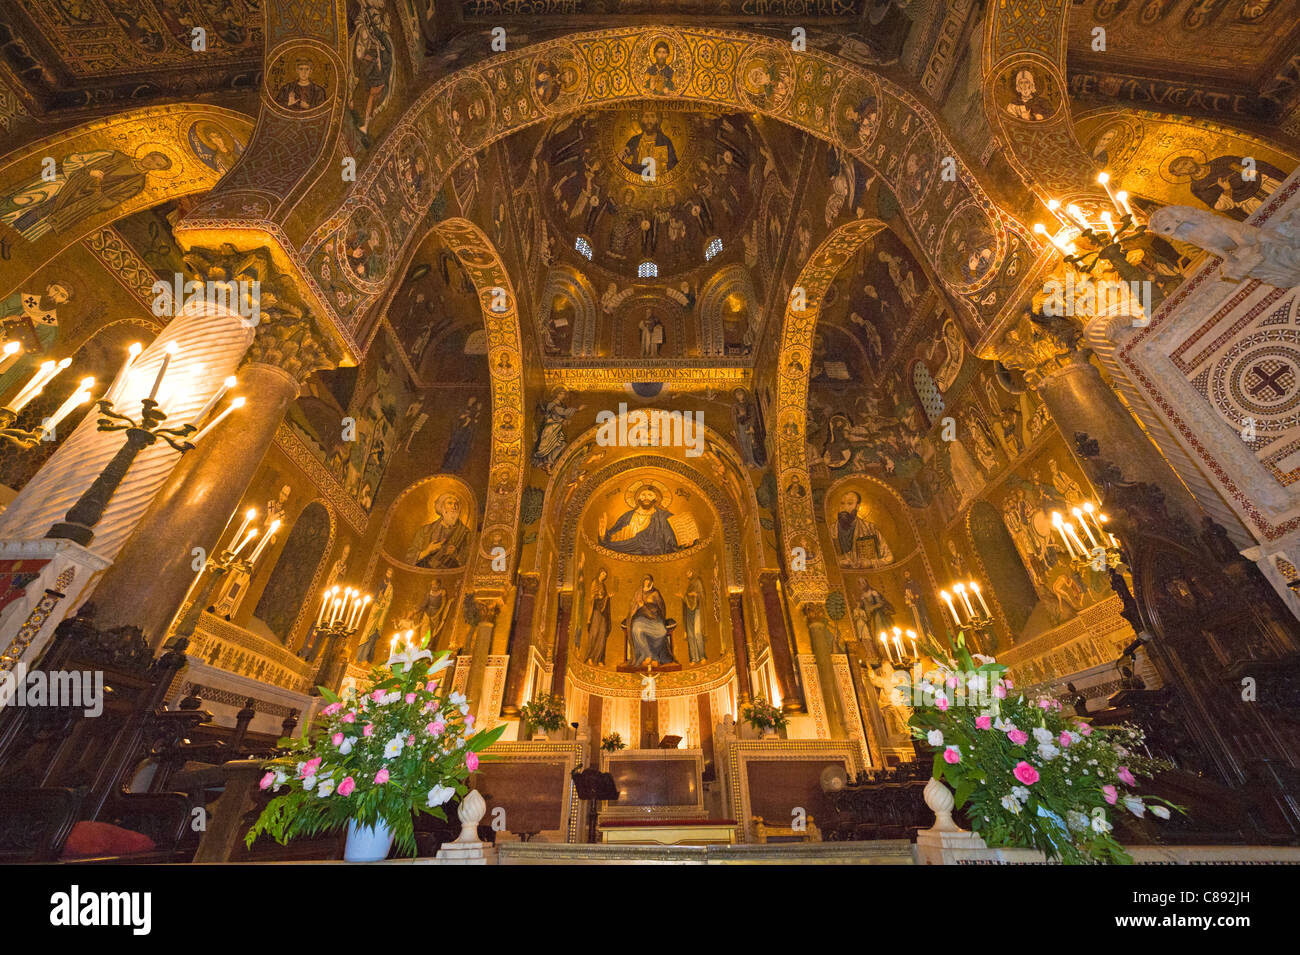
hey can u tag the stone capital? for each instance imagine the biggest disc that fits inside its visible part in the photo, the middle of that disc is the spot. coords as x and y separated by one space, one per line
1042 347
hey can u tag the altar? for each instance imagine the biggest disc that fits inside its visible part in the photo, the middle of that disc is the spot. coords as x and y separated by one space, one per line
661 800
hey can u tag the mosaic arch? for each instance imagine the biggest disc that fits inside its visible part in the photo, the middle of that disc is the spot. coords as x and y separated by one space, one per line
750 537
505 362
831 99
794 488
1026 99
153 155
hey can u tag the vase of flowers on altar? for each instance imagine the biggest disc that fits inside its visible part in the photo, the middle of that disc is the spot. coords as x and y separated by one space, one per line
1028 774
543 714
612 743
404 744
764 717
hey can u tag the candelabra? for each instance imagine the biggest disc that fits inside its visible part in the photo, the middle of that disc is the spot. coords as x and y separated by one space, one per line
894 651
228 566
973 619
27 438
340 615
1103 550
142 432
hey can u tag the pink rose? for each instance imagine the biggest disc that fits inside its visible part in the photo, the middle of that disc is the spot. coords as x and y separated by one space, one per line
381 777
1065 739
1085 729
1019 737
410 698
471 760
941 703
266 781
377 695
983 722
1025 773
1000 692
952 755
1008 683
368 729
1125 776
410 739
337 739
346 787
309 768
349 717
331 709
436 728
1110 793
1044 704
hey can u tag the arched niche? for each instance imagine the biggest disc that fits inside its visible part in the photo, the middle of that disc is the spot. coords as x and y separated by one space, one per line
689 506
729 313
566 318
287 589
432 526
1009 582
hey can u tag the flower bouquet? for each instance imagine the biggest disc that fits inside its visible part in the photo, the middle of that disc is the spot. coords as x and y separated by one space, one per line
762 715
1029 775
404 745
544 712
612 743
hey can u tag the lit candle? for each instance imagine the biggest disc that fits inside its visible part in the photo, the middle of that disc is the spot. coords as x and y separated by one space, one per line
162 369
248 519
38 381
334 610
948 601
1060 529
911 635
78 397
392 647
1104 179
237 403
365 602
1083 550
324 602
960 590
1110 226
212 402
11 353
1051 237
884 639
1078 516
1054 207
241 544
1076 214
1122 197
131 354
980 597
898 645
270 532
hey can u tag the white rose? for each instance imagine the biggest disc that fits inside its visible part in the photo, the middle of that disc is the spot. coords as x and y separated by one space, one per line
325 788
1042 735
309 783
440 794
934 737
346 746
394 747
1048 751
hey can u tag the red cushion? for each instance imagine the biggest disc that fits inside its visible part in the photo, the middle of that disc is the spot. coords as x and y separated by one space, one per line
89 839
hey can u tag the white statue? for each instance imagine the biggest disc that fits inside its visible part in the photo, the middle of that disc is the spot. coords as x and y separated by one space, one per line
1270 254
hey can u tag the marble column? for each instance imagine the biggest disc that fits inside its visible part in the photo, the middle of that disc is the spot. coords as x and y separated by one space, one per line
560 651
823 645
778 638
1059 368
150 577
209 342
739 647
480 647
521 635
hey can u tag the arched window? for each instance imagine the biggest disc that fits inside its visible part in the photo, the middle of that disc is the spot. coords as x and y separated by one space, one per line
647 270
712 248
927 392
583 245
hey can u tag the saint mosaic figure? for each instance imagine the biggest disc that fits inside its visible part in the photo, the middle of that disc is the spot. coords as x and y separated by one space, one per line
444 542
644 529
693 616
647 626
858 542
598 620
